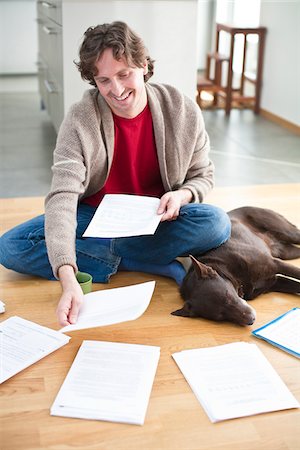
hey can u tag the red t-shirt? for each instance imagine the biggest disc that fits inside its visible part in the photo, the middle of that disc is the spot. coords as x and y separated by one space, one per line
135 168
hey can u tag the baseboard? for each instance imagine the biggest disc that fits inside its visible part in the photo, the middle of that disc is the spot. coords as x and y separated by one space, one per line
280 121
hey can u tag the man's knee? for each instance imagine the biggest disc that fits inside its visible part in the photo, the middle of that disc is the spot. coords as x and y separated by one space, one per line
11 250
202 212
5 249
221 224
17 243
210 223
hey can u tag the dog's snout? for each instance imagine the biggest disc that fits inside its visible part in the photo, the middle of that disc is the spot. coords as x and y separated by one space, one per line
250 317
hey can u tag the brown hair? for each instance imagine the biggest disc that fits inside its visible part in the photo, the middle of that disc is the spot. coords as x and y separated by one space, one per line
123 42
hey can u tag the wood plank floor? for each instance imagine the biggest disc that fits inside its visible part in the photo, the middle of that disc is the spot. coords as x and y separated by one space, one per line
175 419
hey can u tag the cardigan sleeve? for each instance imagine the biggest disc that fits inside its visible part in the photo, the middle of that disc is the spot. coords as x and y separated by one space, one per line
199 177
182 141
68 178
82 156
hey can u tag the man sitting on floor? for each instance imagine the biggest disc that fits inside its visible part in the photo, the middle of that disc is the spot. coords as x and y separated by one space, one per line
125 136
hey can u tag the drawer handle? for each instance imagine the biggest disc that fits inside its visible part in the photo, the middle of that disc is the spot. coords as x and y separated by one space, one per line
50 86
40 65
48 5
49 30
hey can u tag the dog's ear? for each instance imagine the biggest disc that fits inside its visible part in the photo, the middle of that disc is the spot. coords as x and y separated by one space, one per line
185 311
202 270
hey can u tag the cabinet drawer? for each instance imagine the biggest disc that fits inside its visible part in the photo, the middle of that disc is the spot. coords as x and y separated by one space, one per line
51 9
51 93
42 76
56 106
52 98
50 46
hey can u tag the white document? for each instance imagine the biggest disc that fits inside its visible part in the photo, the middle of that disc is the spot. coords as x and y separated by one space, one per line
24 343
111 306
234 380
120 215
2 307
283 332
108 381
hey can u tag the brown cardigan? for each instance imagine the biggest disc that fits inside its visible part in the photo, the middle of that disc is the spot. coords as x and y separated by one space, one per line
84 153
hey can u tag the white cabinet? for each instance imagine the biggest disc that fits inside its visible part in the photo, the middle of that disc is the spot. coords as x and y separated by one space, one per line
50 59
168 28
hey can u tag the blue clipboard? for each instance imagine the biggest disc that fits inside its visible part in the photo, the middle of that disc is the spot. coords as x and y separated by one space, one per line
257 334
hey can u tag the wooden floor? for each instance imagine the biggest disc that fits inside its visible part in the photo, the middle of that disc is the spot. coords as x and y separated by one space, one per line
175 419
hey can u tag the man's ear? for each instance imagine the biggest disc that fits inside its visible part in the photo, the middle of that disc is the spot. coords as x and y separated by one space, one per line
145 67
185 311
202 270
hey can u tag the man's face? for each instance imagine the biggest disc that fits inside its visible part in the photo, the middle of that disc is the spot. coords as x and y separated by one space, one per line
122 86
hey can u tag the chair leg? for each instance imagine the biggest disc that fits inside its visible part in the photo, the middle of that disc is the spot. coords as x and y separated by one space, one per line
198 99
229 79
217 80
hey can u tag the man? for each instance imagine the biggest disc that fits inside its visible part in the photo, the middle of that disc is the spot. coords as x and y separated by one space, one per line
125 136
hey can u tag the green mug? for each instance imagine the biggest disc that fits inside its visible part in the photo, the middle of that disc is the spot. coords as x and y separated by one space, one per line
85 281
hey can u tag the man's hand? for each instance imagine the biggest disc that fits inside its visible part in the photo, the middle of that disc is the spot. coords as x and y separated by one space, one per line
171 202
72 296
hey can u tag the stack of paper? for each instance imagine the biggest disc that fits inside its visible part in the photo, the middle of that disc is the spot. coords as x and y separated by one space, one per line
111 306
120 215
24 343
234 380
108 381
283 332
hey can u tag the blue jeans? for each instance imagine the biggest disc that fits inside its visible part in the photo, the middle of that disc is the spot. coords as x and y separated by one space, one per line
198 228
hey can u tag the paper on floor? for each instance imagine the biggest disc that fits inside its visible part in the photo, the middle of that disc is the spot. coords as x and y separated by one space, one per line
234 380
108 381
23 343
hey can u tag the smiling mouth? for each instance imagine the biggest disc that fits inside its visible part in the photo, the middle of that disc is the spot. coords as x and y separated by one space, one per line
122 98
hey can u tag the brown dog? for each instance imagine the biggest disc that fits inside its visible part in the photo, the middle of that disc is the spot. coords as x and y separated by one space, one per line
247 265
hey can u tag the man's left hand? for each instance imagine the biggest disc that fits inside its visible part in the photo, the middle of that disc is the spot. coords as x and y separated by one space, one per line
171 202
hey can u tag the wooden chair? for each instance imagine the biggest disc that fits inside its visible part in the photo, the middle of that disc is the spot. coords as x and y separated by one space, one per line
214 84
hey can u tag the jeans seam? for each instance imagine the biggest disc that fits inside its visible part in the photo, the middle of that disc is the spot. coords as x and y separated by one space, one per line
94 258
112 248
36 237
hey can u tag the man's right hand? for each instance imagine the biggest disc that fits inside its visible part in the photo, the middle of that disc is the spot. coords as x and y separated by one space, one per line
72 296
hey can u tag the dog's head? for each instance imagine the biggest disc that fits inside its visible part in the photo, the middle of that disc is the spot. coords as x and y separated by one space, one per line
213 297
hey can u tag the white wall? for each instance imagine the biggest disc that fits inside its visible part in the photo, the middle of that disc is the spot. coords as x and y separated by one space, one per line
281 75
18 37
205 30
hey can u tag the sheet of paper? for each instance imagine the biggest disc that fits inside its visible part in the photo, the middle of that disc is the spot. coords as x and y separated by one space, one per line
2 307
24 343
111 306
283 332
234 380
108 381
120 215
